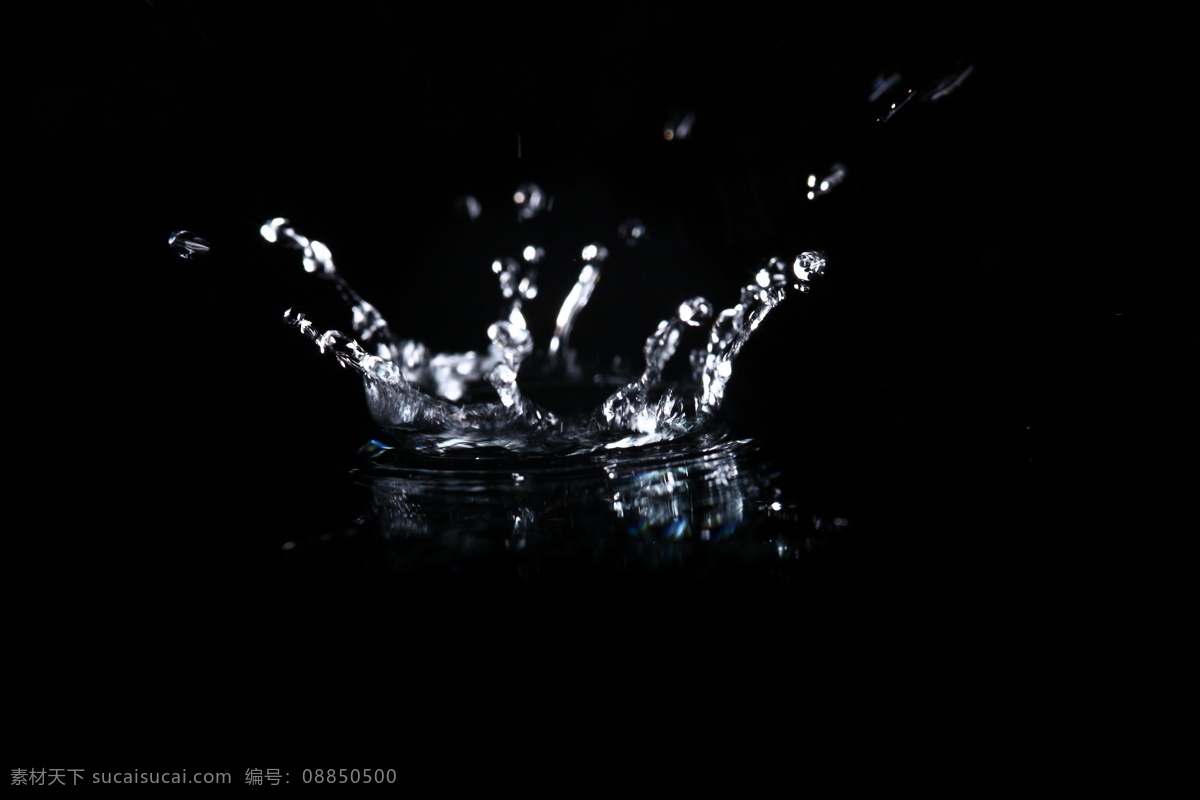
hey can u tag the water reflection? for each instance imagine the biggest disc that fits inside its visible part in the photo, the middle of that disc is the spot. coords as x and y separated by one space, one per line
698 506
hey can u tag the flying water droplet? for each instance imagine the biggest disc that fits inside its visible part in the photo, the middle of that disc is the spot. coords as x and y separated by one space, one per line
577 298
517 281
631 231
773 275
896 106
530 201
468 207
946 85
271 228
188 245
837 174
594 253
533 254
807 265
679 125
881 85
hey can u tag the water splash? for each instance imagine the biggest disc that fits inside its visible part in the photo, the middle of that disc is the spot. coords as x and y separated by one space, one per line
421 397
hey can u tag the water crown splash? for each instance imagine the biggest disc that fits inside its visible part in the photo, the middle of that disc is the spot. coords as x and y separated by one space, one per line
415 395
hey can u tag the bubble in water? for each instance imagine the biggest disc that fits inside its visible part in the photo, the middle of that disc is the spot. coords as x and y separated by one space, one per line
317 258
774 274
187 244
530 200
631 231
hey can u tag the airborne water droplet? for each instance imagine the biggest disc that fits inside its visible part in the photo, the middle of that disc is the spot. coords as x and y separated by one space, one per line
631 231
807 265
187 244
695 312
881 85
468 206
594 253
947 85
270 229
894 107
517 281
837 174
530 200
533 254
679 125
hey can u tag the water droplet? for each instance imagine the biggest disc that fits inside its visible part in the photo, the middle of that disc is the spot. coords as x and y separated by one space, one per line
679 125
417 397
594 253
808 264
894 107
517 281
271 228
468 207
576 299
374 449
837 174
318 258
631 231
881 85
530 200
946 85
187 244
695 312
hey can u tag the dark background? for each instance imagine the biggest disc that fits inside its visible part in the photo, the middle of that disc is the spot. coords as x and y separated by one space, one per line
995 382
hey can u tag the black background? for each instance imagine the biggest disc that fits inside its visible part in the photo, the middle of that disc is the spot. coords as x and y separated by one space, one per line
995 381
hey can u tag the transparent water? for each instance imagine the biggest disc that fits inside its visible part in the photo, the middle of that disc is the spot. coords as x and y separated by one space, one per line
468 468
417 395
710 505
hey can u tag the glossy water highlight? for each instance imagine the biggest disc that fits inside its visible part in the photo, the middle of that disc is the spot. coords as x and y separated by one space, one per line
419 396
